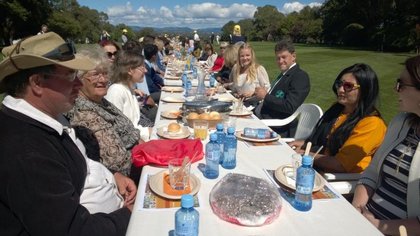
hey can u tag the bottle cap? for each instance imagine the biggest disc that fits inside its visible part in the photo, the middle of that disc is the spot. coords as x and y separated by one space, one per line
213 137
231 130
306 160
219 126
187 201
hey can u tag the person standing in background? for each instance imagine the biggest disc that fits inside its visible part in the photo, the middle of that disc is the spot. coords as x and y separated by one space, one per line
44 29
124 38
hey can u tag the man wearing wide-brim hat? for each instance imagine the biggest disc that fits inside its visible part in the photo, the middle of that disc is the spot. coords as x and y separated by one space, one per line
41 169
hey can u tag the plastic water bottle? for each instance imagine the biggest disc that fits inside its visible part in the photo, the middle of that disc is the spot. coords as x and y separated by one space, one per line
229 149
186 218
188 87
212 80
221 135
305 177
212 158
184 79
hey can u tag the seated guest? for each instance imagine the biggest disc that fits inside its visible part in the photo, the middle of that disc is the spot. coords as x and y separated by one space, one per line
218 63
247 75
42 170
103 191
147 101
288 92
159 61
352 129
230 55
111 49
154 81
128 70
106 132
388 193
212 55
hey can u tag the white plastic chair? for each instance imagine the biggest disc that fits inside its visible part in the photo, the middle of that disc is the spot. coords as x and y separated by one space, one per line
343 183
308 115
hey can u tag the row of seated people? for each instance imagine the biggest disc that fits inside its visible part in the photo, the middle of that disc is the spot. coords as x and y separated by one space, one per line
351 130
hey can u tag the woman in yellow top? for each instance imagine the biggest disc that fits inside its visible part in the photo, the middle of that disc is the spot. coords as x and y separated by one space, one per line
352 129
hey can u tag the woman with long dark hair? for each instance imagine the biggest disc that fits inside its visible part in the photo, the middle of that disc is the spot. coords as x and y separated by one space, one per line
352 128
388 193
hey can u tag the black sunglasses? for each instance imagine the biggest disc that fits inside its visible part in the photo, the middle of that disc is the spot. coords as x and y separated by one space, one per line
64 52
347 86
399 85
110 54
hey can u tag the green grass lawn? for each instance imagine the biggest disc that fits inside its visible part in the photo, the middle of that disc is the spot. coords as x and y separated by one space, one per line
323 65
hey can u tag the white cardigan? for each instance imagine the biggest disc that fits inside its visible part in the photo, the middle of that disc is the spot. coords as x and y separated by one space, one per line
122 97
372 176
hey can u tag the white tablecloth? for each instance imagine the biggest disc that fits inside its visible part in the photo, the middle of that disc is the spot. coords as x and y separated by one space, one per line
327 216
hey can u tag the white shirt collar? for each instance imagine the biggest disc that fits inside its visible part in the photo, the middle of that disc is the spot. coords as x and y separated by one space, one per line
289 68
148 63
22 106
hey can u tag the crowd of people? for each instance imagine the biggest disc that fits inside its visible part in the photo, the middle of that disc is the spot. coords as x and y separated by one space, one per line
70 120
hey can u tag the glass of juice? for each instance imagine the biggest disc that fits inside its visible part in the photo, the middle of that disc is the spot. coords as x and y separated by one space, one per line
201 128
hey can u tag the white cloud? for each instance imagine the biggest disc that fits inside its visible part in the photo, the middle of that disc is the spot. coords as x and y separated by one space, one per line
297 6
201 15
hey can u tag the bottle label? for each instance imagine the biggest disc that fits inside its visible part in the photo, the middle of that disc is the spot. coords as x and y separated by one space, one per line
305 181
213 155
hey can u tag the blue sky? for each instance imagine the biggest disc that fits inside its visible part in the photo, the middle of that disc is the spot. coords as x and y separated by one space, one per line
193 14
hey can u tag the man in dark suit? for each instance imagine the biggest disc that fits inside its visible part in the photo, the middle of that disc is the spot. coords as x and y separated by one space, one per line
287 92
153 79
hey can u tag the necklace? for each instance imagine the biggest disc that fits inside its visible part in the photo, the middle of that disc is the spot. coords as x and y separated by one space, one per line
406 151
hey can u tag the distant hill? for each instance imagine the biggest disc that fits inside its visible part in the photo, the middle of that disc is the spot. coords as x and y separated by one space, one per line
178 30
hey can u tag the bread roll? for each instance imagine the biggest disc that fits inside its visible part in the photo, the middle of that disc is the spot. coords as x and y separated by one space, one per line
174 128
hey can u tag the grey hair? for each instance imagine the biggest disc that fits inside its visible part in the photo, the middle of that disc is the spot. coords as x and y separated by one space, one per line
96 55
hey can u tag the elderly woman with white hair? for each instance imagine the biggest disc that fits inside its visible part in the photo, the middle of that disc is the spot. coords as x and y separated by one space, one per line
106 132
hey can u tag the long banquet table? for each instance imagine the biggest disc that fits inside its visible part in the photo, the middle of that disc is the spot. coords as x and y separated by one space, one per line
327 216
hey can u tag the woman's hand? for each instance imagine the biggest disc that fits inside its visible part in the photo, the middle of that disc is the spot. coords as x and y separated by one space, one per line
126 188
370 217
296 145
139 92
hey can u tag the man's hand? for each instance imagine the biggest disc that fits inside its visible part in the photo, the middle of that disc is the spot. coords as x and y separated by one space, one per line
139 92
126 188
260 92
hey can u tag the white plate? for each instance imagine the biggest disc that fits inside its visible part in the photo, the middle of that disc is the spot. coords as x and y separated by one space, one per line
163 132
225 99
171 114
173 89
238 134
283 174
244 112
173 99
156 185
172 77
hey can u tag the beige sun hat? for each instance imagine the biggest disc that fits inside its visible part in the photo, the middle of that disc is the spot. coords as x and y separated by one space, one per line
41 50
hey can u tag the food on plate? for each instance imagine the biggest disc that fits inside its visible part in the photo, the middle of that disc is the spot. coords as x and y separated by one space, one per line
174 128
175 113
204 116
193 116
214 115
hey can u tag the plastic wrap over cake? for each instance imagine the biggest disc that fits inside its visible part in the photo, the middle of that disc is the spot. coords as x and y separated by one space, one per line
245 200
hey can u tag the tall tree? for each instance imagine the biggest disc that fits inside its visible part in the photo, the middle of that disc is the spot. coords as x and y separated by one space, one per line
267 20
22 18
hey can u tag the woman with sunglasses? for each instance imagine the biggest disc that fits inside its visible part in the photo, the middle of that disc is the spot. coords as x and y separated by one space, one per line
352 129
388 193
111 49
106 132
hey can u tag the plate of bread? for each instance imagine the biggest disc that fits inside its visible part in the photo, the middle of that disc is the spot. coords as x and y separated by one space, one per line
173 131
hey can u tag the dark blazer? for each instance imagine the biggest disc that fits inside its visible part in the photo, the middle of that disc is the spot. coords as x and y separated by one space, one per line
42 176
153 80
287 95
